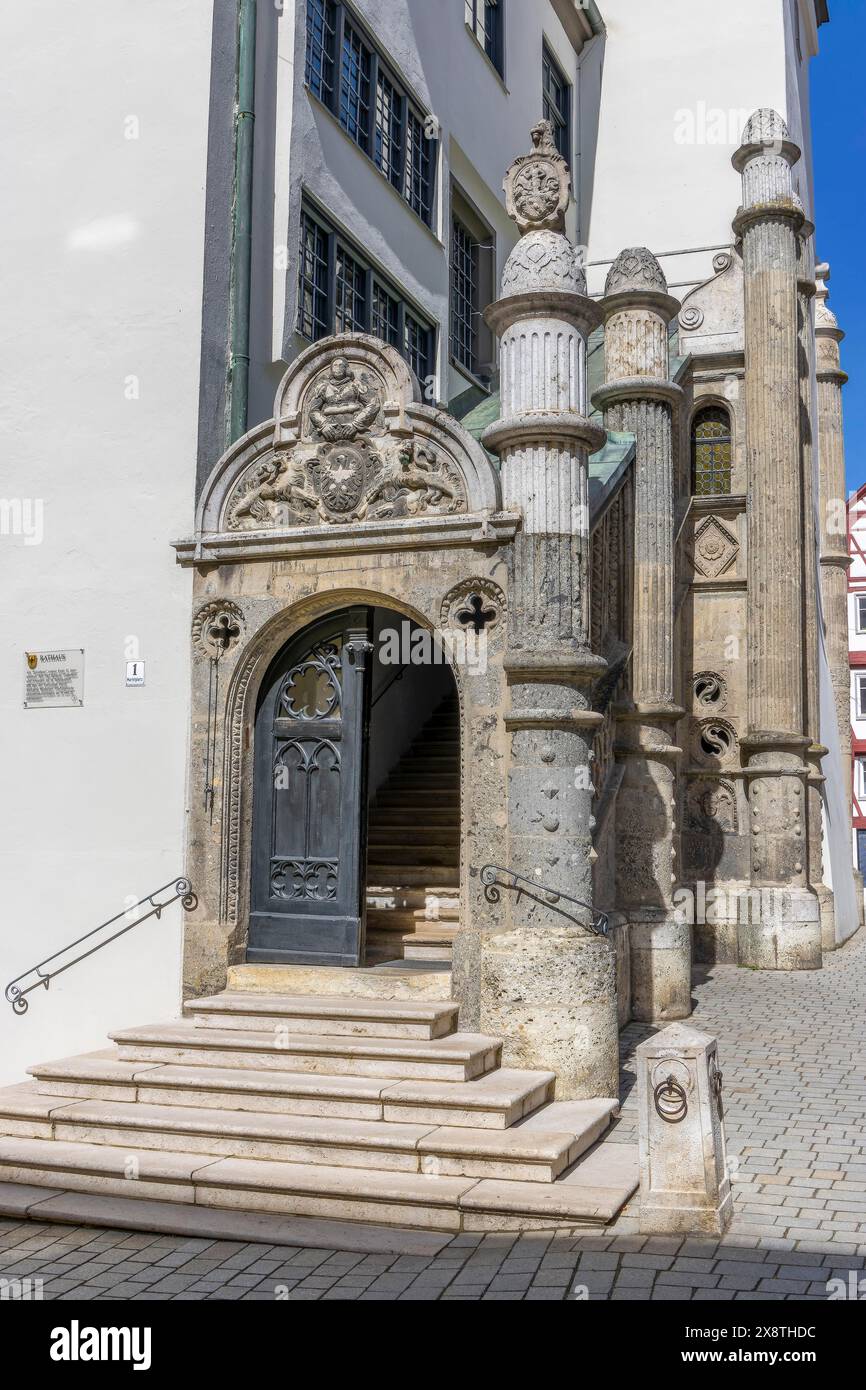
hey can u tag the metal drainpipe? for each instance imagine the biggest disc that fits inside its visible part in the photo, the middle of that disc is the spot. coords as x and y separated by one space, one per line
239 306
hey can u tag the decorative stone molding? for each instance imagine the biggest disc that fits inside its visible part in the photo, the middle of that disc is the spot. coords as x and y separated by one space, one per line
636 268
544 260
710 690
464 600
714 742
217 628
538 185
350 446
715 548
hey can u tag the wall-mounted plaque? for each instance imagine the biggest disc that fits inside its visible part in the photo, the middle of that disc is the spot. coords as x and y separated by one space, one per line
53 679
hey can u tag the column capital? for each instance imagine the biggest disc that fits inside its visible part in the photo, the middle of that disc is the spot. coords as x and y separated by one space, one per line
765 135
636 281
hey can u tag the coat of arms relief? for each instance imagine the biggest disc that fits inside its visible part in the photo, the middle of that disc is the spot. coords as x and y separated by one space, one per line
346 466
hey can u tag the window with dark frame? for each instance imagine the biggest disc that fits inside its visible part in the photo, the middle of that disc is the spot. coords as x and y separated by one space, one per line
313 311
464 296
556 102
712 451
486 20
340 292
346 71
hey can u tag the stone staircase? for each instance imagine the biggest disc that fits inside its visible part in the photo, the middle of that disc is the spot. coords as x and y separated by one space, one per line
360 1106
413 848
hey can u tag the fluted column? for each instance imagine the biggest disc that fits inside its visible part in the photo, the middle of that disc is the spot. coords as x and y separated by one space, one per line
638 397
834 559
785 933
547 983
815 751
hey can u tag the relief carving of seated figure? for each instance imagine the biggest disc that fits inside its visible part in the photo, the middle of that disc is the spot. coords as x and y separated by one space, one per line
343 406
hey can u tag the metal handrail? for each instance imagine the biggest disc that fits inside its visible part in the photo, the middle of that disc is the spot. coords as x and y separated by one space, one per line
182 888
386 685
599 924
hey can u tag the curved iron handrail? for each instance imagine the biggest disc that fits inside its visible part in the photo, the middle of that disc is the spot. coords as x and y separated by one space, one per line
182 889
599 924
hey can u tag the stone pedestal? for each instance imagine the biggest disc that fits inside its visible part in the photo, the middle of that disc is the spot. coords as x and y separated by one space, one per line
638 398
787 935
684 1180
546 979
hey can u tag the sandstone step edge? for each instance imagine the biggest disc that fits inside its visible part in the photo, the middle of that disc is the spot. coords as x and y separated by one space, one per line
212 1223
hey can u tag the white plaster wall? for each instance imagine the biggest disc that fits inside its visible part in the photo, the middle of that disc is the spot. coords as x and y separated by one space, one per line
103 239
677 82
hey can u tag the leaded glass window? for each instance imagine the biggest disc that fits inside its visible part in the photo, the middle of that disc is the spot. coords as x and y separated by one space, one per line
712 451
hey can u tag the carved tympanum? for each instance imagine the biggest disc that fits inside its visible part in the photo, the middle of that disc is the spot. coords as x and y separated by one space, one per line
346 467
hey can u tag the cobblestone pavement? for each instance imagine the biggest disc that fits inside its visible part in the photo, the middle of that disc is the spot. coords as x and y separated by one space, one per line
793 1052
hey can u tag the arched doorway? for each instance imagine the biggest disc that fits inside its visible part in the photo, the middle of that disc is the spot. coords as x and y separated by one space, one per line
356 795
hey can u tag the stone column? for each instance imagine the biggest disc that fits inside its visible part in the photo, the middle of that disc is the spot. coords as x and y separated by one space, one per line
834 559
548 984
815 750
783 931
638 398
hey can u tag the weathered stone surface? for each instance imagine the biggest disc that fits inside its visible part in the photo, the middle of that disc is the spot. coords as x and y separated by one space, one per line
685 1185
553 992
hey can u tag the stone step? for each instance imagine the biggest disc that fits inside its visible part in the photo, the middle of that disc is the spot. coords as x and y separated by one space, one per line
405 920
435 950
21 1201
407 875
409 798
459 1057
589 1193
412 981
416 900
437 816
444 836
427 856
523 1154
494 1101
411 780
334 1016
409 1199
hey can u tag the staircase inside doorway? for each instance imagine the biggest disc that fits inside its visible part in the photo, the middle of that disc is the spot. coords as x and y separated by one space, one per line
413 853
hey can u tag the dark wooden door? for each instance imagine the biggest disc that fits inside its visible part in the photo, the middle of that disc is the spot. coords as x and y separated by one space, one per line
309 798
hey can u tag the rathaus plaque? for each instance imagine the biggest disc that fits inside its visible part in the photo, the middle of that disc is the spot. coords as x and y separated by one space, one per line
52 679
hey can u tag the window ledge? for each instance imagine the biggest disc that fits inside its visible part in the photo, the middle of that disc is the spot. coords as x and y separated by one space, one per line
486 56
371 164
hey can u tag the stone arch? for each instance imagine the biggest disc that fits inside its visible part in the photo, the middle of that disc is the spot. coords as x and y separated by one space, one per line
253 663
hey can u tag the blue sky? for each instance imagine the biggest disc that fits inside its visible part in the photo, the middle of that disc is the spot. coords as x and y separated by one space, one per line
839 131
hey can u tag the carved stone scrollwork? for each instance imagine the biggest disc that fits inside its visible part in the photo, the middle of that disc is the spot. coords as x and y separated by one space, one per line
714 742
217 628
691 317
710 690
